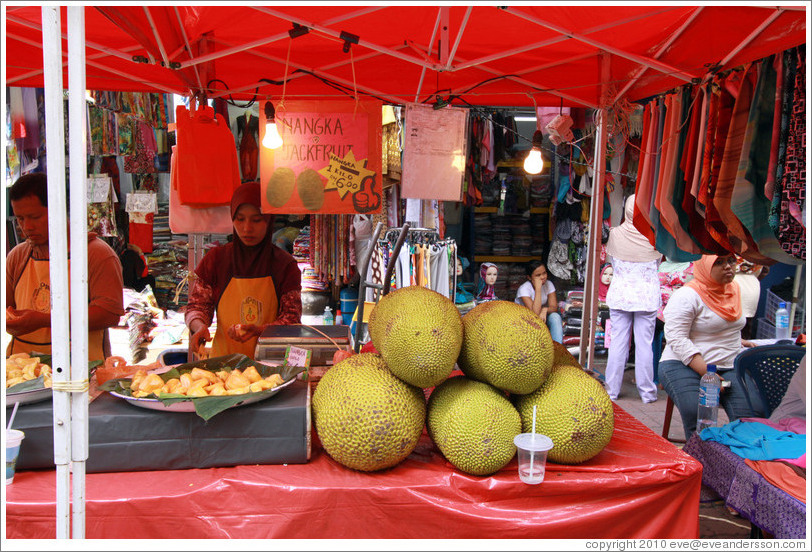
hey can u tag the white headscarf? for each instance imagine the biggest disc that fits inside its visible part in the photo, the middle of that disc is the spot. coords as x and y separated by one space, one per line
627 243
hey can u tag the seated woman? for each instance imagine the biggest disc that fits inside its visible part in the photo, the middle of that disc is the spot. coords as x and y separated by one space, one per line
250 282
538 295
703 323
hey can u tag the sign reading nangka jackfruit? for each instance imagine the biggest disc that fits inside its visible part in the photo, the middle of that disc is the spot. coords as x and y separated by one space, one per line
330 160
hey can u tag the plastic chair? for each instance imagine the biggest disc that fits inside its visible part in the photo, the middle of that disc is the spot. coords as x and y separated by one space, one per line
769 368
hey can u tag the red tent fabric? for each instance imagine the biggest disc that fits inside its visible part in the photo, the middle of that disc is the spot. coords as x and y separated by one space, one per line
480 55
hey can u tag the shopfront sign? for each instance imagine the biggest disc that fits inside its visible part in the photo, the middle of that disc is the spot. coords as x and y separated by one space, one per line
330 160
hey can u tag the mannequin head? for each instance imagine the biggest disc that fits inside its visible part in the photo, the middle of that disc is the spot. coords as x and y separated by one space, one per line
488 272
490 275
606 275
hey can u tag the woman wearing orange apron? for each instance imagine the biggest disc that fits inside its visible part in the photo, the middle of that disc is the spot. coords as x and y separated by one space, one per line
250 283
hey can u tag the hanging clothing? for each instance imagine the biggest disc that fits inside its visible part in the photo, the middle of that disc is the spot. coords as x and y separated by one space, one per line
248 130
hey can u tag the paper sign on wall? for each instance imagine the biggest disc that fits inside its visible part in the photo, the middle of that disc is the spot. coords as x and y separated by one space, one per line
330 160
434 152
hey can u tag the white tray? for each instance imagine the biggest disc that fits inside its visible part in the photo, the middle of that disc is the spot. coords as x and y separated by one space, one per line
189 405
31 396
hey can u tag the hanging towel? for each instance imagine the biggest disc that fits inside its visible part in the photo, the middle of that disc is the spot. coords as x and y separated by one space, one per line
757 441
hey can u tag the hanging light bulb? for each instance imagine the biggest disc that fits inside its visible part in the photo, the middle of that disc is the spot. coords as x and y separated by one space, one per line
272 139
533 163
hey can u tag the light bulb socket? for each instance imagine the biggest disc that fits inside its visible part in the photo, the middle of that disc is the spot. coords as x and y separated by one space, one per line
538 138
270 112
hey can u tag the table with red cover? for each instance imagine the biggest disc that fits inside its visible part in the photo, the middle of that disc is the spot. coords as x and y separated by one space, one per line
640 485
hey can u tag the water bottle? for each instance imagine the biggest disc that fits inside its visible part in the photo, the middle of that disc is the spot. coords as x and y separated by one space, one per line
328 316
782 330
710 387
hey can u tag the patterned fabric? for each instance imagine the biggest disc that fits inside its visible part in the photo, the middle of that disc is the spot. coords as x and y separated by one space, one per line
635 286
744 490
791 232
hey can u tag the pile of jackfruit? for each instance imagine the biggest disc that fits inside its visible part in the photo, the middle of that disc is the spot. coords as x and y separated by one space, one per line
370 409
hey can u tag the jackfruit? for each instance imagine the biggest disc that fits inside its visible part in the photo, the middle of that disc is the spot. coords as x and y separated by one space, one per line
366 418
562 355
418 332
311 189
507 346
573 410
473 424
280 186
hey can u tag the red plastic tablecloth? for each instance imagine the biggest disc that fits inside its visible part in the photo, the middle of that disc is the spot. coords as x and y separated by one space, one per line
640 485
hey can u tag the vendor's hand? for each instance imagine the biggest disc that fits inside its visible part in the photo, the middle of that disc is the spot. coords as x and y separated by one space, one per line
197 340
543 314
244 332
21 322
746 343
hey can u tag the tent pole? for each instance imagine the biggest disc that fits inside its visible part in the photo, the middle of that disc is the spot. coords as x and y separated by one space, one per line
773 16
795 286
77 128
58 264
590 310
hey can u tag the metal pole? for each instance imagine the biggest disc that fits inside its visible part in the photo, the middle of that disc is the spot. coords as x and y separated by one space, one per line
57 251
77 128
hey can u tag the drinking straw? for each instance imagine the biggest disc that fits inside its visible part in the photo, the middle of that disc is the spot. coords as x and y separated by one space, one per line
532 440
11 418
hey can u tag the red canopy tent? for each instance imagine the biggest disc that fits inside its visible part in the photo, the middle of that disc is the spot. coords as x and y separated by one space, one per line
480 55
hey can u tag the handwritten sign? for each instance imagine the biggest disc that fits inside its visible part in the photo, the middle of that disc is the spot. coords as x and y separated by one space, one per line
296 356
330 161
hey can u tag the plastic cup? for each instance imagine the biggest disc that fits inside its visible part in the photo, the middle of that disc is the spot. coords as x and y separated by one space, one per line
13 439
533 449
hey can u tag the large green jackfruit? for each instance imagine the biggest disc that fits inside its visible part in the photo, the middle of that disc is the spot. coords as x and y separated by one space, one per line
574 410
473 424
418 332
366 418
507 346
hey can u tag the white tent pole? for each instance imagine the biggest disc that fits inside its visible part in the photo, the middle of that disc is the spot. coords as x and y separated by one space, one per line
589 318
77 128
749 38
795 286
459 38
58 255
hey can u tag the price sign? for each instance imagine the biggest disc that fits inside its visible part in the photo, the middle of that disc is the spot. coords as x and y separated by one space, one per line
296 356
345 175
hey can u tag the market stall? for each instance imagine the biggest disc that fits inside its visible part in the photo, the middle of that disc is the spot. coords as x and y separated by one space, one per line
639 486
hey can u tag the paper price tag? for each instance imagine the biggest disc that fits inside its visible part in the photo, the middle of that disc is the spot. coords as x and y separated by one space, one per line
296 356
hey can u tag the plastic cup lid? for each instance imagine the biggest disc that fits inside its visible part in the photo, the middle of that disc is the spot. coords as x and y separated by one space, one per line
533 441
13 436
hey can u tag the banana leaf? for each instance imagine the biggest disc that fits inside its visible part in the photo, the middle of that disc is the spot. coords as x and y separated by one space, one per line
38 383
207 407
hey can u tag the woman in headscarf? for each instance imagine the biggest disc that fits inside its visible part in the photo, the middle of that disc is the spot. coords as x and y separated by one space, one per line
633 298
703 323
250 282
487 279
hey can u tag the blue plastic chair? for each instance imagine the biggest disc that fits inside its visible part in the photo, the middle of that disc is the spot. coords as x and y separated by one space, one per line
764 372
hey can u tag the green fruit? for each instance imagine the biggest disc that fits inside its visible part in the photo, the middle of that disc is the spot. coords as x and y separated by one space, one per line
366 418
574 410
473 424
561 355
280 186
418 332
311 189
506 345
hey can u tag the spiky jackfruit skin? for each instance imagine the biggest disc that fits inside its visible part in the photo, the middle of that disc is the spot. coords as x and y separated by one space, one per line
507 346
573 410
418 333
561 355
366 418
473 424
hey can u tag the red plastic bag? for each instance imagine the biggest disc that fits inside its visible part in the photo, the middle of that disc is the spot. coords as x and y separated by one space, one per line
207 166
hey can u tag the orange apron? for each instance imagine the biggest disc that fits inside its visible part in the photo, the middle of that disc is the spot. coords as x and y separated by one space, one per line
244 301
33 292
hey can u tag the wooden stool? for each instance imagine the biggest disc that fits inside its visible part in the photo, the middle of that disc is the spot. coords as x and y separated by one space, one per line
669 411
